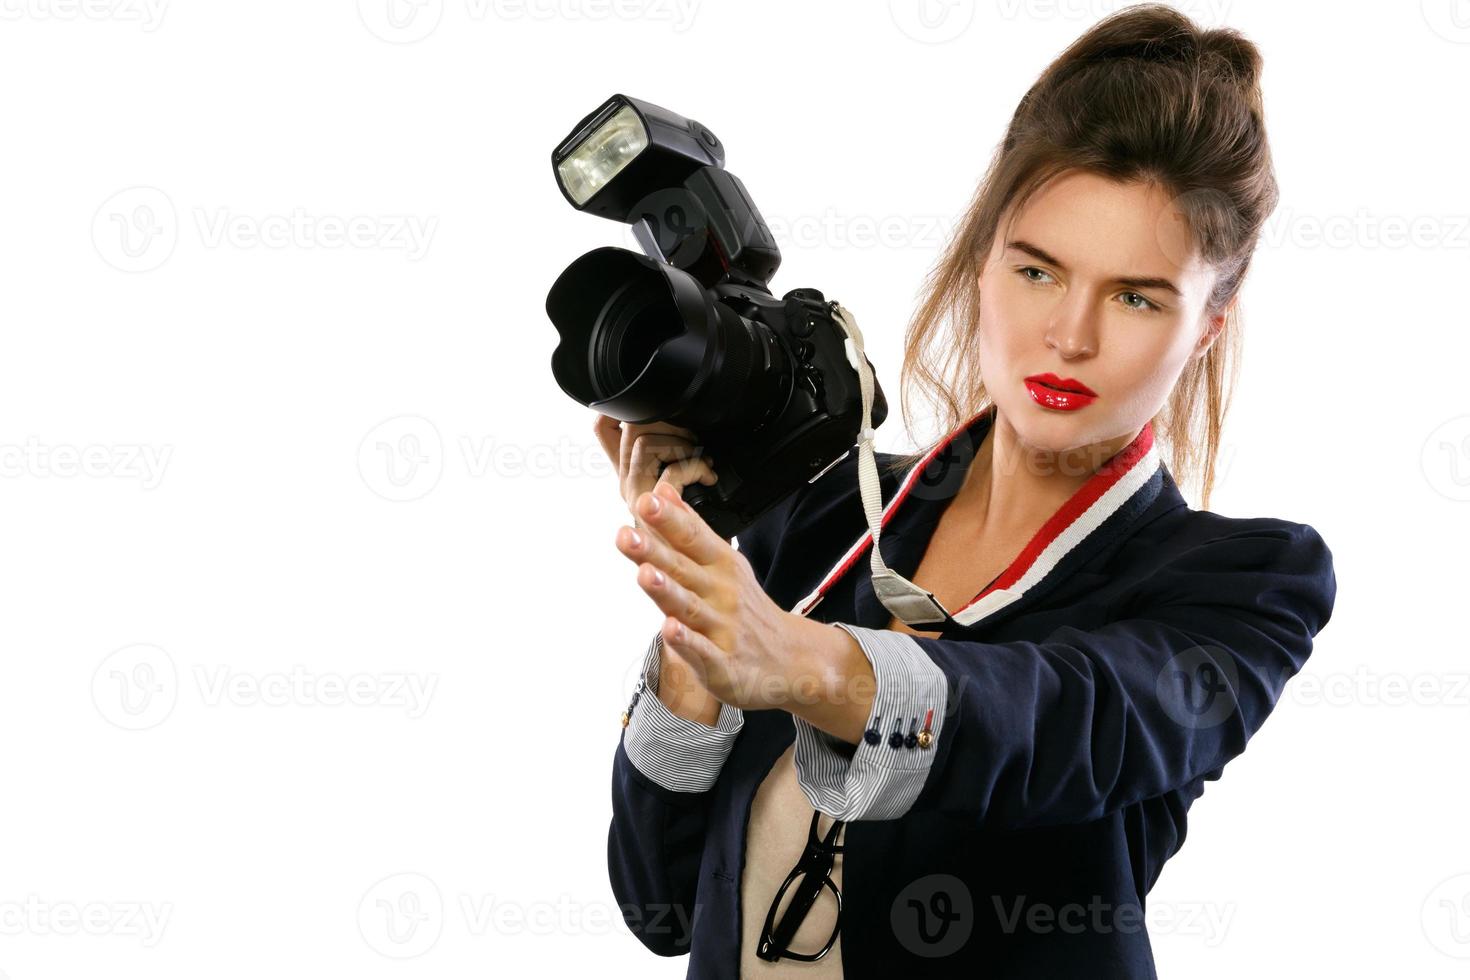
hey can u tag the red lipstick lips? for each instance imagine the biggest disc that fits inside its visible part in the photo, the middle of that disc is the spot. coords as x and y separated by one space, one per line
1064 394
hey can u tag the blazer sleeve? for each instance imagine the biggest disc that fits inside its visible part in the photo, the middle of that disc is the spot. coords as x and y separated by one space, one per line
1085 722
665 769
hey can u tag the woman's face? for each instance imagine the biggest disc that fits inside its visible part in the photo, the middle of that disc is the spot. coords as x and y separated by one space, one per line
1098 282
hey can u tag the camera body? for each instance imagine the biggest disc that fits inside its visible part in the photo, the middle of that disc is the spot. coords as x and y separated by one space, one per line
689 332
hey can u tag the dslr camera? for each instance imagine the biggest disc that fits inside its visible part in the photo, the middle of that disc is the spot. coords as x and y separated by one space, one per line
689 332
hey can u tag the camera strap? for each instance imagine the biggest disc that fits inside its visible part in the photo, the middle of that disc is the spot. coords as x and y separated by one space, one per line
909 603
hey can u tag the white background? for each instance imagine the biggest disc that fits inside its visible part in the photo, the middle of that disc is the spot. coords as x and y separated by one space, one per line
213 409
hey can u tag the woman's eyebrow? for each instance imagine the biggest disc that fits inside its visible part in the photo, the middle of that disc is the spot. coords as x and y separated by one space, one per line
1135 282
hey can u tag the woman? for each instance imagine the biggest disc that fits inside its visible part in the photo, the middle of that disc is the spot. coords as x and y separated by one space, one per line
1005 786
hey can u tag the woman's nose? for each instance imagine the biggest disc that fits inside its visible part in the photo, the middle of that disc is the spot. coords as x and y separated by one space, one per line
1073 331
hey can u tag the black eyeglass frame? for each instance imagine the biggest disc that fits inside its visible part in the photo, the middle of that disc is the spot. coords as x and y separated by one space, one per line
815 864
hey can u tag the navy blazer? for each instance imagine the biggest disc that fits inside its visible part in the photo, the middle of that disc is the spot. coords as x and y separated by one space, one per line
1124 657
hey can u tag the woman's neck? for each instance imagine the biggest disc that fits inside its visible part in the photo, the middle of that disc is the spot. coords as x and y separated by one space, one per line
1012 488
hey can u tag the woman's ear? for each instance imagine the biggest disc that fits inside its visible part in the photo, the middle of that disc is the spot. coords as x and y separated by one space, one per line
1213 325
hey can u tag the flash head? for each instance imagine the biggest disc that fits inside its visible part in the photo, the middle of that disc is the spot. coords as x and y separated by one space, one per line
623 148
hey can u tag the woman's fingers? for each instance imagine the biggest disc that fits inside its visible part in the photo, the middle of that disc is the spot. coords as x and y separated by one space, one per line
695 649
674 599
654 550
687 471
609 434
665 511
644 454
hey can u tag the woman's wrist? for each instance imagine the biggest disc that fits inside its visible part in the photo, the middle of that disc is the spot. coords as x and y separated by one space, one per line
681 692
831 680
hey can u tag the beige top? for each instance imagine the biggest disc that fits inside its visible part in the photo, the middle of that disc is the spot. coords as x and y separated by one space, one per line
775 836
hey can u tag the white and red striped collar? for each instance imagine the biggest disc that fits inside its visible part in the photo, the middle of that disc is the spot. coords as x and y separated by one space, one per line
1118 481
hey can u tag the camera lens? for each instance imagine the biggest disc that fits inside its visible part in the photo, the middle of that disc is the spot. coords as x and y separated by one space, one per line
627 335
643 341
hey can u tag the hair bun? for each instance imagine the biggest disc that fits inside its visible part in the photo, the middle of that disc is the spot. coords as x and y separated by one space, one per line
1242 58
1159 33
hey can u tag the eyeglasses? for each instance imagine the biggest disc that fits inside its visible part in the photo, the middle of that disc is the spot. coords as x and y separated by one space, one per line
814 869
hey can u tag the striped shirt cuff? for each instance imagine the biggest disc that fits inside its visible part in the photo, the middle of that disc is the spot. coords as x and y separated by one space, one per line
877 782
678 754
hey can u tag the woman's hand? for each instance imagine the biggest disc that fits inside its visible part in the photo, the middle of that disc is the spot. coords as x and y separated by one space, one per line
639 450
746 650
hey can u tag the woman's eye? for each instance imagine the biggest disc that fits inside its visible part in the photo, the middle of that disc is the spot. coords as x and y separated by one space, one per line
1031 268
1147 305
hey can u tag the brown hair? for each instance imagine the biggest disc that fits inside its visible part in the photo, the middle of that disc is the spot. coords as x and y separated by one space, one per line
1144 95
